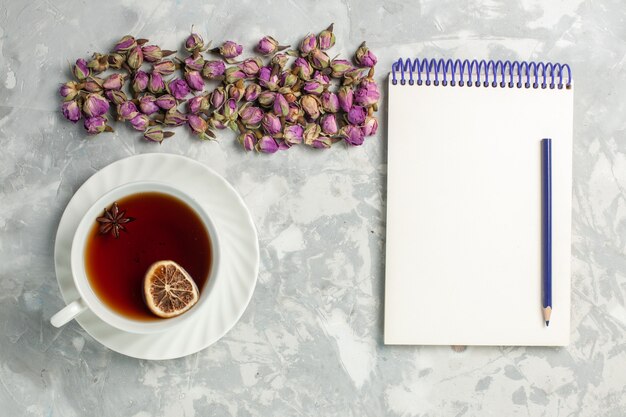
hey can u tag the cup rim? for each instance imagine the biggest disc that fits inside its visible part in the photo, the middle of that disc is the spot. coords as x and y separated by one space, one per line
78 268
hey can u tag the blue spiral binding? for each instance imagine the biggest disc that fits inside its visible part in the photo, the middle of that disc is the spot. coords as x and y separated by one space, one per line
504 74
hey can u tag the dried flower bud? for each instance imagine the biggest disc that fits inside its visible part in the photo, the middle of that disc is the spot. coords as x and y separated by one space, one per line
340 67
114 82
69 90
194 79
218 96
156 134
364 57
280 60
165 67
95 125
135 57
302 69
308 44
125 44
230 109
353 135
156 84
367 93
140 122
267 144
313 87
71 111
321 78
216 123
271 124
251 116
293 134
251 66
152 53
328 122
198 104
140 82
330 102
95 105
174 118
346 97
247 140
178 88
281 106
287 80
213 69
147 104
319 59
93 84
233 74
356 115
194 63
116 96
197 124
266 98
326 39
311 132
81 69
370 126
353 76
267 45
98 63
230 49
252 92
166 101
236 90
116 61
310 105
127 110
294 114
194 42
321 142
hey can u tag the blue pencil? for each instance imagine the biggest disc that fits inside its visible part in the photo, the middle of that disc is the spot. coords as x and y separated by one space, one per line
546 209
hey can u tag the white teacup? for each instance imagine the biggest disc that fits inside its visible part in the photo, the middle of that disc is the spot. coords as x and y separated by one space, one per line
90 300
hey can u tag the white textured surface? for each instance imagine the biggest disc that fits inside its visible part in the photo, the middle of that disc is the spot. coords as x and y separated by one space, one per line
310 342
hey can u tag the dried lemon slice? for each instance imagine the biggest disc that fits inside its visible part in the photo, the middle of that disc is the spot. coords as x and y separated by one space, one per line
168 289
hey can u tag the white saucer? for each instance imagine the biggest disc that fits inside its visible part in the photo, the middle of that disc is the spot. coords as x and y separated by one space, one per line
239 268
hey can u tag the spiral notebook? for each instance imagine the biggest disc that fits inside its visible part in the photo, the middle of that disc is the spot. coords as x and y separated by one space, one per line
463 264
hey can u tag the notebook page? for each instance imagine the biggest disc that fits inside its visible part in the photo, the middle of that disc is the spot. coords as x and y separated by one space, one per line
463 263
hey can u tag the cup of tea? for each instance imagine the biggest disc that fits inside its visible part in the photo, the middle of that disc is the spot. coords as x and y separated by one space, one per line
147 222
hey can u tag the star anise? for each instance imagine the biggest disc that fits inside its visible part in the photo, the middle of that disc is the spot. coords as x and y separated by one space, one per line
113 221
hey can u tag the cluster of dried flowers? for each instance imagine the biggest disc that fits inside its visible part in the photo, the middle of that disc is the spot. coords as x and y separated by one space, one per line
285 98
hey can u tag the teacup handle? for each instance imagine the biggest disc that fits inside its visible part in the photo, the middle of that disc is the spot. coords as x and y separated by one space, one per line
68 312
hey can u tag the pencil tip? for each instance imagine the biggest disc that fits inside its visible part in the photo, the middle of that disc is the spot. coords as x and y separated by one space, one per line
547 323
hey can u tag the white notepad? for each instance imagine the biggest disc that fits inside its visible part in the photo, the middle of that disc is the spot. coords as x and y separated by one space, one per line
463 263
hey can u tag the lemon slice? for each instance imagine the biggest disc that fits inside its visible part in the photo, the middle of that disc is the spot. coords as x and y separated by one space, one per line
169 291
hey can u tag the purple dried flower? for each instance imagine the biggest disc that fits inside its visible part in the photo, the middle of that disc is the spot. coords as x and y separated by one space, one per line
266 98
127 110
234 74
293 134
310 105
156 134
321 78
313 87
69 90
140 81
178 88
280 60
346 98
116 96
271 124
364 57
251 66
326 39
367 94
93 84
252 92
140 122
267 144
230 109
294 113
147 104
328 122
135 57
116 60
308 44
266 79
340 67
166 101
174 118
98 63
95 105
194 42
152 53
197 124
311 132
156 84
321 142
281 106
114 82
370 126
319 59
198 104
95 125
235 90
71 111
267 45
218 97
302 68
125 44
288 79
165 67
353 135
194 63
194 79
230 49
356 115
251 116
247 140
213 69
81 69
330 102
